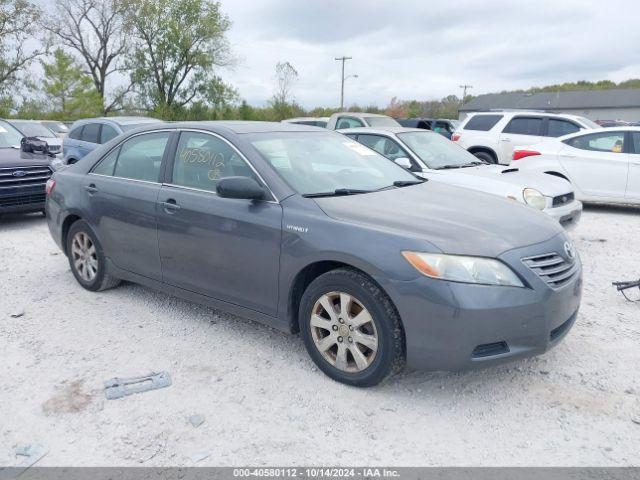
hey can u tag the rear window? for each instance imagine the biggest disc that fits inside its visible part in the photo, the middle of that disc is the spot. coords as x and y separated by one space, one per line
524 126
483 123
90 132
558 128
381 122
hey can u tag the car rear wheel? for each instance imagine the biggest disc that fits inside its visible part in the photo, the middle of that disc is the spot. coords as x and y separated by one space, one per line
87 259
351 329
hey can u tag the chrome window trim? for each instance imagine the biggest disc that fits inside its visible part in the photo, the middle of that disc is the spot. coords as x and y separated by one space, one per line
234 148
211 192
124 178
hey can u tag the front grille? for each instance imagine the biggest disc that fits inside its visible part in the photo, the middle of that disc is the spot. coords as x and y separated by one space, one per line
490 349
561 200
54 148
554 269
22 200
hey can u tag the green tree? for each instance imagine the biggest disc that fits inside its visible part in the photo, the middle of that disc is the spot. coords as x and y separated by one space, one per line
71 92
17 25
176 45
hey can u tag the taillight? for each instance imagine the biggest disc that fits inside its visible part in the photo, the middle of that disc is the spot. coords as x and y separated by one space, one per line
518 154
455 137
51 183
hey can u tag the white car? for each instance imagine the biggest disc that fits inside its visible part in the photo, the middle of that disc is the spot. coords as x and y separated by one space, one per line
344 120
492 136
430 155
602 166
312 121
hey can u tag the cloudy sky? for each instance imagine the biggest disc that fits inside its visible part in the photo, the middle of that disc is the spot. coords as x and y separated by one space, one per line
424 49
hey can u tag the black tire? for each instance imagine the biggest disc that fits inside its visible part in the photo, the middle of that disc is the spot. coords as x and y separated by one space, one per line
102 280
485 156
390 355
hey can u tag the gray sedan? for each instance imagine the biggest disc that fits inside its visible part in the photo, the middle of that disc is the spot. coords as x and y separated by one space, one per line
308 231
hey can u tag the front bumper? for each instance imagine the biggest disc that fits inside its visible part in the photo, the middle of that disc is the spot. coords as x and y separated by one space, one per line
567 215
454 326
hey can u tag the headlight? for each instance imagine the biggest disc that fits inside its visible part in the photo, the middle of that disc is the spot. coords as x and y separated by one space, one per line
534 198
458 268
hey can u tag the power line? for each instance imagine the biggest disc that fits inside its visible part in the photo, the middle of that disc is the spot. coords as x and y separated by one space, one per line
342 59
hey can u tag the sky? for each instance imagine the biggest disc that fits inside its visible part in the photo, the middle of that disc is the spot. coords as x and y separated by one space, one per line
425 49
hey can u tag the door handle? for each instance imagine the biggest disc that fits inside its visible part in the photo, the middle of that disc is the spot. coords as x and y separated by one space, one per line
505 139
91 188
568 155
170 205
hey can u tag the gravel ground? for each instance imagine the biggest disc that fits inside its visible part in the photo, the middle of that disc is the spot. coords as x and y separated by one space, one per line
263 401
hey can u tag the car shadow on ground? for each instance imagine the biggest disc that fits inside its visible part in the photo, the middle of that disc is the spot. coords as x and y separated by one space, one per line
611 208
10 221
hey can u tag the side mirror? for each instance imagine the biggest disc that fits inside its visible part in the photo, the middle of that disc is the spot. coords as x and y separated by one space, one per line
33 144
404 162
240 187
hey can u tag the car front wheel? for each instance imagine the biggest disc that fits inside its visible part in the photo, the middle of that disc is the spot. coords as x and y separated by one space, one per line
351 329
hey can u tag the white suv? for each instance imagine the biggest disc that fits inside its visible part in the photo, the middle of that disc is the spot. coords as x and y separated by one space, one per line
492 136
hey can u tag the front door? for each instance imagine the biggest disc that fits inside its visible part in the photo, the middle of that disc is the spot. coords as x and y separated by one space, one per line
633 184
521 131
123 190
597 163
225 248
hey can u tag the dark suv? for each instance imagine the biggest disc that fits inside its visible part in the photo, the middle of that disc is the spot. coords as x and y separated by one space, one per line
23 174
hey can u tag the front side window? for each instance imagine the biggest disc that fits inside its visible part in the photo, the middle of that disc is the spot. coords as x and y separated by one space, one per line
599 142
203 159
482 123
636 142
33 129
90 133
76 133
558 128
383 145
436 151
348 122
318 162
524 126
140 157
107 133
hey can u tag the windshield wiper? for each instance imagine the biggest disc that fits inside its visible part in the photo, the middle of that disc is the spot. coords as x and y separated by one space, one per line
462 165
337 193
408 183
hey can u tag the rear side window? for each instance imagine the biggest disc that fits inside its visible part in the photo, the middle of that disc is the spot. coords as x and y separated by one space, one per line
524 126
107 133
611 142
90 132
76 133
107 164
348 122
636 142
141 156
482 123
558 128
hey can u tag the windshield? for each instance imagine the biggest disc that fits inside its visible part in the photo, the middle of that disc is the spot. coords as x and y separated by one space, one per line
9 136
589 123
317 162
32 129
436 151
381 122
57 127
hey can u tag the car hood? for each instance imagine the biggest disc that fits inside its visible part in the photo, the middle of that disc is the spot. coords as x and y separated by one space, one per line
14 157
501 180
51 140
455 220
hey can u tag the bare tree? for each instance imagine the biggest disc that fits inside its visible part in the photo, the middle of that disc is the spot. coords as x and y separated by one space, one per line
95 29
17 24
286 76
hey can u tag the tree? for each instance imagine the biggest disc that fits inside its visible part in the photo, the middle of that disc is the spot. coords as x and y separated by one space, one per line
94 29
70 91
282 101
176 46
17 25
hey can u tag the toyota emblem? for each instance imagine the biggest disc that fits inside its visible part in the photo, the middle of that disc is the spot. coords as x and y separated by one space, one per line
570 250
19 173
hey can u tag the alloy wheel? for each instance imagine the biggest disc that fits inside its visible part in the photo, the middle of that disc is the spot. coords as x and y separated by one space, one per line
344 332
85 259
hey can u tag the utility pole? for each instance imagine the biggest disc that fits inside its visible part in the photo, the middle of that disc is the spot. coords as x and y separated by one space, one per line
342 59
464 91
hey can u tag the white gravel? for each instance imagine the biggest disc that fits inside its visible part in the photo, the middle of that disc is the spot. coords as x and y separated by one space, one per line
264 403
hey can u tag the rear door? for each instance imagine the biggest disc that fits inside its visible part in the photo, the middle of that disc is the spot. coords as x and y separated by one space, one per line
224 248
633 185
597 163
520 131
123 190
89 138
